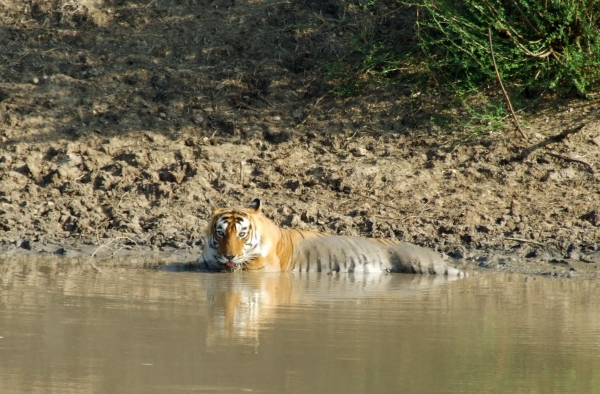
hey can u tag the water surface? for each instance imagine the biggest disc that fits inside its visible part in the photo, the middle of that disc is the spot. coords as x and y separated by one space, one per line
66 328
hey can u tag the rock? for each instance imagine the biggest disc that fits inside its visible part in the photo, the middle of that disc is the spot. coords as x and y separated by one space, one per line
593 217
70 160
32 168
197 119
277 136
459 253
12 181
358 152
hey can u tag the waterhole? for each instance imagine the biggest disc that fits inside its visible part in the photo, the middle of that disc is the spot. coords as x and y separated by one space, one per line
67 328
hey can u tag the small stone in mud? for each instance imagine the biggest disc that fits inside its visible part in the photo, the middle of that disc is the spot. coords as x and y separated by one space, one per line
191 141
61 251
458 253
358 152
276 136
26 244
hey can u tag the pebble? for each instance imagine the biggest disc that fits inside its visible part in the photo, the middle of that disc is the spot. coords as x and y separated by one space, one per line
358 152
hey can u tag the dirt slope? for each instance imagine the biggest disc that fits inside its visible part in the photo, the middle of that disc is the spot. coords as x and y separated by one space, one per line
122 118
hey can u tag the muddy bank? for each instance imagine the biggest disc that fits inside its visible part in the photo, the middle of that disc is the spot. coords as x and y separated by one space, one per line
113 134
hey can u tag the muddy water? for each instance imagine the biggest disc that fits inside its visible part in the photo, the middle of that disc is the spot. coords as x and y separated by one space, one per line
66 328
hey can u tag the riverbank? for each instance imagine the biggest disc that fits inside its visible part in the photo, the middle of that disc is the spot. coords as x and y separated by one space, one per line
113 135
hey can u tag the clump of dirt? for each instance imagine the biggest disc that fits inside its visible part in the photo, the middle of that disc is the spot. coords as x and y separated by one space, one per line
120 119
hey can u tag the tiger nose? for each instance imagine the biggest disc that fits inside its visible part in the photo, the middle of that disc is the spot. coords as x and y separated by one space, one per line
229 256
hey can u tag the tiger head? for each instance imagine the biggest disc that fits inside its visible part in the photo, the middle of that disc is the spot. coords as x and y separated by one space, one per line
233 238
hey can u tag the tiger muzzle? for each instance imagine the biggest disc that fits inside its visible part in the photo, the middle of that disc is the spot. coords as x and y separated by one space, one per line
229 263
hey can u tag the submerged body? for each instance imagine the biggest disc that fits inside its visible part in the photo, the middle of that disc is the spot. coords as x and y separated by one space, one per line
244 238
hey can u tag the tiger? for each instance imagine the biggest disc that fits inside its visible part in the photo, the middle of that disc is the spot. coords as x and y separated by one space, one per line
244 239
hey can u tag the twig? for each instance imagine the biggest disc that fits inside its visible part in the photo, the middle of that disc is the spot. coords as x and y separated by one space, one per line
27 52
568 132
285 155
105 245
264 99
524 241
510 108
377 201
420 215
94 266
567 158
121 199
242 172
240 104
312 110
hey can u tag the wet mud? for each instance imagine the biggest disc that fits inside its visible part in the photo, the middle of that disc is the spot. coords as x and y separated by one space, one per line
119 120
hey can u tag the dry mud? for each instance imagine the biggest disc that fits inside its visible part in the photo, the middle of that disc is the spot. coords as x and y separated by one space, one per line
120 119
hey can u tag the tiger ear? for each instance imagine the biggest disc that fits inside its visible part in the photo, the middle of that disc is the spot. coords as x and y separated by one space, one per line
213 206
256 205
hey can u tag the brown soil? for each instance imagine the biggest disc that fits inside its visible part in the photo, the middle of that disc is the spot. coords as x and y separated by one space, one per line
119 120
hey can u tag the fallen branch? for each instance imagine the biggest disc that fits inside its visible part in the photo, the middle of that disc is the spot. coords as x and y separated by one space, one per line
567 158
510 108
312 110
243 105
524 241
242 172
377 201
104 246
568 132
264 99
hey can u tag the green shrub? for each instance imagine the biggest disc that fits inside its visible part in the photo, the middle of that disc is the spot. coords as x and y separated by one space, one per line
379 49
537 43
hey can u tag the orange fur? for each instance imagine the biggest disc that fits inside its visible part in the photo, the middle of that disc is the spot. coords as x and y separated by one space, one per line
276 244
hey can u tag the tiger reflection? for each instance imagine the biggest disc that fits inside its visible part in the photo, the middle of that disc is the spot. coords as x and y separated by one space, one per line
240 304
